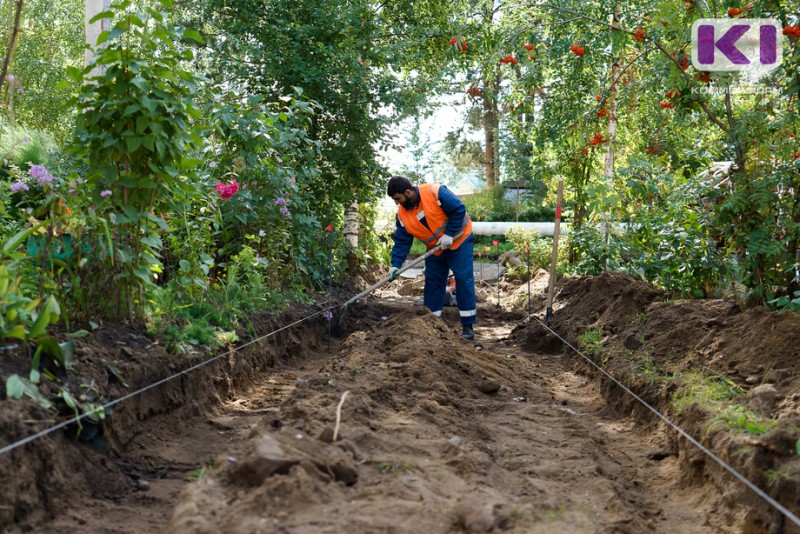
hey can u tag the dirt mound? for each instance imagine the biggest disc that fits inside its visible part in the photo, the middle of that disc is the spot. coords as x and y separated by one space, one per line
608 300
726 375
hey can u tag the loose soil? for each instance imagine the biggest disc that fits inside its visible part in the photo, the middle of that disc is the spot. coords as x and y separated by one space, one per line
434 434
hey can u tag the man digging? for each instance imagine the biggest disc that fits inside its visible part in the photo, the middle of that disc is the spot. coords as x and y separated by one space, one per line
434 215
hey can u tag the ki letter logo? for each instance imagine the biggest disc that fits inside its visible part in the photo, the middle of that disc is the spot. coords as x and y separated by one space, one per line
750 46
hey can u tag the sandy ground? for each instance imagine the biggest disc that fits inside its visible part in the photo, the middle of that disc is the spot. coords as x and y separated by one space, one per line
436 435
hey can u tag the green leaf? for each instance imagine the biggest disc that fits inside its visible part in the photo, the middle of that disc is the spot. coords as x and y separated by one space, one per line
102 38
141 83
134 142
42 320
63 84
102 15
35 376
18 332
185 266
151 242
15 388
193 35
94 325
67 353
78 334
55 309
68 398
130 110
143 274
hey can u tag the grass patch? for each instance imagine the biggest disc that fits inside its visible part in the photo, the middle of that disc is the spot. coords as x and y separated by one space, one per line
723 398
590 341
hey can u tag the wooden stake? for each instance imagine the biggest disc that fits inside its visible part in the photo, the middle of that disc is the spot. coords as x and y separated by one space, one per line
554 259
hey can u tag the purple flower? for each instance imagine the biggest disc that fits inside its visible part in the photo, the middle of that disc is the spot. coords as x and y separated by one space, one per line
280 202
105 192
19 186
37 171
79 181
284 211
212 165
26 139
46 178
328 315
262 233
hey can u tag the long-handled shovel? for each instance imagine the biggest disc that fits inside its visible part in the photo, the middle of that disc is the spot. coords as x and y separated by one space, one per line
386 279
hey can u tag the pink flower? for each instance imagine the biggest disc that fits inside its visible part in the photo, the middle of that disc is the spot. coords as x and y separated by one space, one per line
226 191
285 211
329 228
262 233
105 192
495 243
19 186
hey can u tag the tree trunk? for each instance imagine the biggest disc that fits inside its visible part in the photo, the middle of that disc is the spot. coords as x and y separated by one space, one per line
351 225
93 7
12 43
608 168
491 124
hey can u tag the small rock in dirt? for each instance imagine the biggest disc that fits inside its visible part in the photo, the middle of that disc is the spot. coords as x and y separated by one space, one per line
127 351
455 441
520 399
326 435
776 376
762 398
142 485
488 387
475 515
232 459
753 379
632 342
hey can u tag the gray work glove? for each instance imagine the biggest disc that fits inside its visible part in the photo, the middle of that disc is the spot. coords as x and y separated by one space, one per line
393 273
445 241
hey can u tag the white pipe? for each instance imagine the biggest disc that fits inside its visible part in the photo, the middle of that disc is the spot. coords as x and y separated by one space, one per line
502 228
544 228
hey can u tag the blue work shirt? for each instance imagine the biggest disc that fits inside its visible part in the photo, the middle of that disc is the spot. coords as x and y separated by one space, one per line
451 206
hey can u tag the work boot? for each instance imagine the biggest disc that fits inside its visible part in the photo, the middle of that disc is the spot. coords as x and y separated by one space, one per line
467 332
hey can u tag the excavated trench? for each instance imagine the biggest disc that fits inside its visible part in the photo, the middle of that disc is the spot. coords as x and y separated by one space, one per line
434 434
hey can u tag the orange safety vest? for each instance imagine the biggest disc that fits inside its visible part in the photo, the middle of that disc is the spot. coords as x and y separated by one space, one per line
429 207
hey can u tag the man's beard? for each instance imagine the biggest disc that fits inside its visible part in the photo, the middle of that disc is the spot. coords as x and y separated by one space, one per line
408 203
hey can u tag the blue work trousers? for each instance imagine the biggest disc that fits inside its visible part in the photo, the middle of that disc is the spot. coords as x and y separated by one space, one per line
436 271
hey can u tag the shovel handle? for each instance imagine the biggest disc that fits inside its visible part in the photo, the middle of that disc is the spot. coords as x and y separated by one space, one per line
403 269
